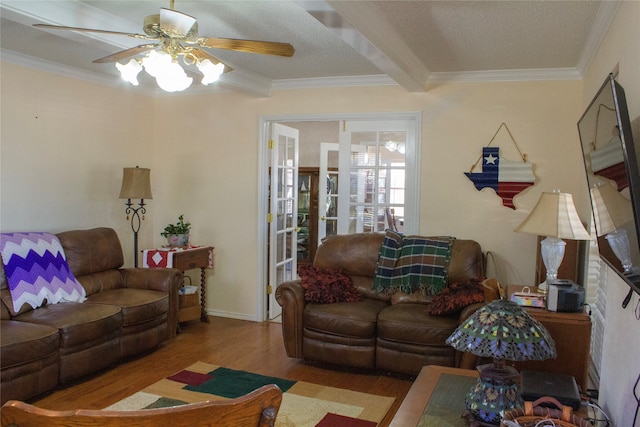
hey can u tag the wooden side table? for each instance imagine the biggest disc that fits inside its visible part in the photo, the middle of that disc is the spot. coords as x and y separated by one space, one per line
185 259
572 335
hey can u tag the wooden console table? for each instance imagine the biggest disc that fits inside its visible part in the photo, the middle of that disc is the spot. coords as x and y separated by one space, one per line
572 335
185 259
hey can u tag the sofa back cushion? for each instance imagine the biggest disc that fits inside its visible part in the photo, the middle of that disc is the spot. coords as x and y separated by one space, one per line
353 254
92 251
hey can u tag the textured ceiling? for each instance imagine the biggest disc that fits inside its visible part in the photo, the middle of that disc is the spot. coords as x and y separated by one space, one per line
411 43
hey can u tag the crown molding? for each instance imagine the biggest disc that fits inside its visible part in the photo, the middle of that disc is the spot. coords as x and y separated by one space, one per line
534 74
260 87
605 16
71 72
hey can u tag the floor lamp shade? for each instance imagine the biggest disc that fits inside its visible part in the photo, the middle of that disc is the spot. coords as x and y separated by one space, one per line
136 183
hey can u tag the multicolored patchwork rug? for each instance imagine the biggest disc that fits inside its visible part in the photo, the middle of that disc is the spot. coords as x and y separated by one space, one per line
303 404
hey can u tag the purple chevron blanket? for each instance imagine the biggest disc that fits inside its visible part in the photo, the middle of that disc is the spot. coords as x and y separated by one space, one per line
37 270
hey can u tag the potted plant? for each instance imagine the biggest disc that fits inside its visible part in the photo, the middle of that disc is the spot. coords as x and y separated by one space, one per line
177 234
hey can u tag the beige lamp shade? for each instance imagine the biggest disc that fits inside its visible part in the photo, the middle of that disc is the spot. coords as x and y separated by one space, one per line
611 210
136 183
555 215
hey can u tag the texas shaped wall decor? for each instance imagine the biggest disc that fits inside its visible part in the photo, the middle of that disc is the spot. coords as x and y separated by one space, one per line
507 178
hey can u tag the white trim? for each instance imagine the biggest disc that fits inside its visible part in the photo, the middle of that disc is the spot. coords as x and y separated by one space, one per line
606 13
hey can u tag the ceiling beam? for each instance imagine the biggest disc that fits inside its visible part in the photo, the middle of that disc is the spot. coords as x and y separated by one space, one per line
368 32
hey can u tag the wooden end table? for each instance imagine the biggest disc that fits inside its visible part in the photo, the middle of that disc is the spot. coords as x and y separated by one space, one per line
187 260
572 335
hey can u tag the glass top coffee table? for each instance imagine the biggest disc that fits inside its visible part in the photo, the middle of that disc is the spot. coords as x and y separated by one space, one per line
436 398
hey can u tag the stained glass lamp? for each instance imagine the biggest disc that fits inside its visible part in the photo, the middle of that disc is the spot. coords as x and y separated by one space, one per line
503 331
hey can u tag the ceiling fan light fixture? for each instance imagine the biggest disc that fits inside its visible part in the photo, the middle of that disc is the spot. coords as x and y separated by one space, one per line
211 71
129 71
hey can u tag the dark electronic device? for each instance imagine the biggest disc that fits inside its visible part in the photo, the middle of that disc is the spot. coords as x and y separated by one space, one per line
605 128
565 295
562 387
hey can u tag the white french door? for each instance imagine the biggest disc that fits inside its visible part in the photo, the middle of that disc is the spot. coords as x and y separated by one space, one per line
283 211
377 170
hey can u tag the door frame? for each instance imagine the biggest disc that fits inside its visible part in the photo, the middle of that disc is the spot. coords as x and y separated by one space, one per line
264 123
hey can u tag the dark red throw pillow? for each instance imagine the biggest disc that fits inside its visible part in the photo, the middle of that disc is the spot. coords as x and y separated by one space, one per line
326 286
455 297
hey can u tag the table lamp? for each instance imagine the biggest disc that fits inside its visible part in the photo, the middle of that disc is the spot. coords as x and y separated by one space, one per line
556 218
501 330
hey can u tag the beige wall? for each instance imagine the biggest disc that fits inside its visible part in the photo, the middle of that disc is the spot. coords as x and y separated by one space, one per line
63 144
620 367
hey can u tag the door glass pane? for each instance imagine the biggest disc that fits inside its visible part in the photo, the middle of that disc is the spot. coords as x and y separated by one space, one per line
377 180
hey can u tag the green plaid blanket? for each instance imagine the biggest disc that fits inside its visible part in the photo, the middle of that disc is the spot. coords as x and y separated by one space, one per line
411 263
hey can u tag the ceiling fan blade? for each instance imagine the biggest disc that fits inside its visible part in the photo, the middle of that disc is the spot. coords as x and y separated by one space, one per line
201 55
251 46
176 24
126 53
92 30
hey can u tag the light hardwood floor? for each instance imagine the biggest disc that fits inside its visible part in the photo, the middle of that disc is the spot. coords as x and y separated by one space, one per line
236 344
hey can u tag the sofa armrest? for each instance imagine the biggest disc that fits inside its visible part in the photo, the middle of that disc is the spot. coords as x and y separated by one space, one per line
290 296
167 280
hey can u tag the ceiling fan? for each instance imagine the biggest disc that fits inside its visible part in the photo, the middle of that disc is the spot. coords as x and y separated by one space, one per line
176 35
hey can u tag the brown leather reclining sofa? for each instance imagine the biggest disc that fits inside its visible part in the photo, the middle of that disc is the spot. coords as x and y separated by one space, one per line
128 311
389 333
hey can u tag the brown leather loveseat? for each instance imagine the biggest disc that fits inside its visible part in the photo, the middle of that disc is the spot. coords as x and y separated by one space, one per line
128 311
389 333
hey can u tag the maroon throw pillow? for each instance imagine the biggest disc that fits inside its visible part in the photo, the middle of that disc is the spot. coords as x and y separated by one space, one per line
326 286
455 297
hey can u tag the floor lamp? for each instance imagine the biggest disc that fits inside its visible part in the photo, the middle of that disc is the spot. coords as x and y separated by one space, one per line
136 184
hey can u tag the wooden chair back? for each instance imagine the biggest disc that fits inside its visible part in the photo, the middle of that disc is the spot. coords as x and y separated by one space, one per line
256 409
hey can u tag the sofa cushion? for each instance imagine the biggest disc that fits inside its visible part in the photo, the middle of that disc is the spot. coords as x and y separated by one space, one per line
78 324
412 324
24 342
456 297
138 305
326 286
92 251
352 319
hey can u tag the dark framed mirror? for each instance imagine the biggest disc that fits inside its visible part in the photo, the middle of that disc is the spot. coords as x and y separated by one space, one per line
611 164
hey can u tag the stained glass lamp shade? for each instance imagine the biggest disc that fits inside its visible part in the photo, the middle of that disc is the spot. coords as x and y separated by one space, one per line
503 331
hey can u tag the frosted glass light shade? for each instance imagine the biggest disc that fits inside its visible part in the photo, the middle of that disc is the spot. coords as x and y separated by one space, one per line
129 71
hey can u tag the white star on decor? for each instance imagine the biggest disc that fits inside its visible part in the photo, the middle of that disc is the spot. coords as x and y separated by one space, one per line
490 159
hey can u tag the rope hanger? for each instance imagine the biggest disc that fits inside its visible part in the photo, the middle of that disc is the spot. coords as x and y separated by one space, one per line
524 156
